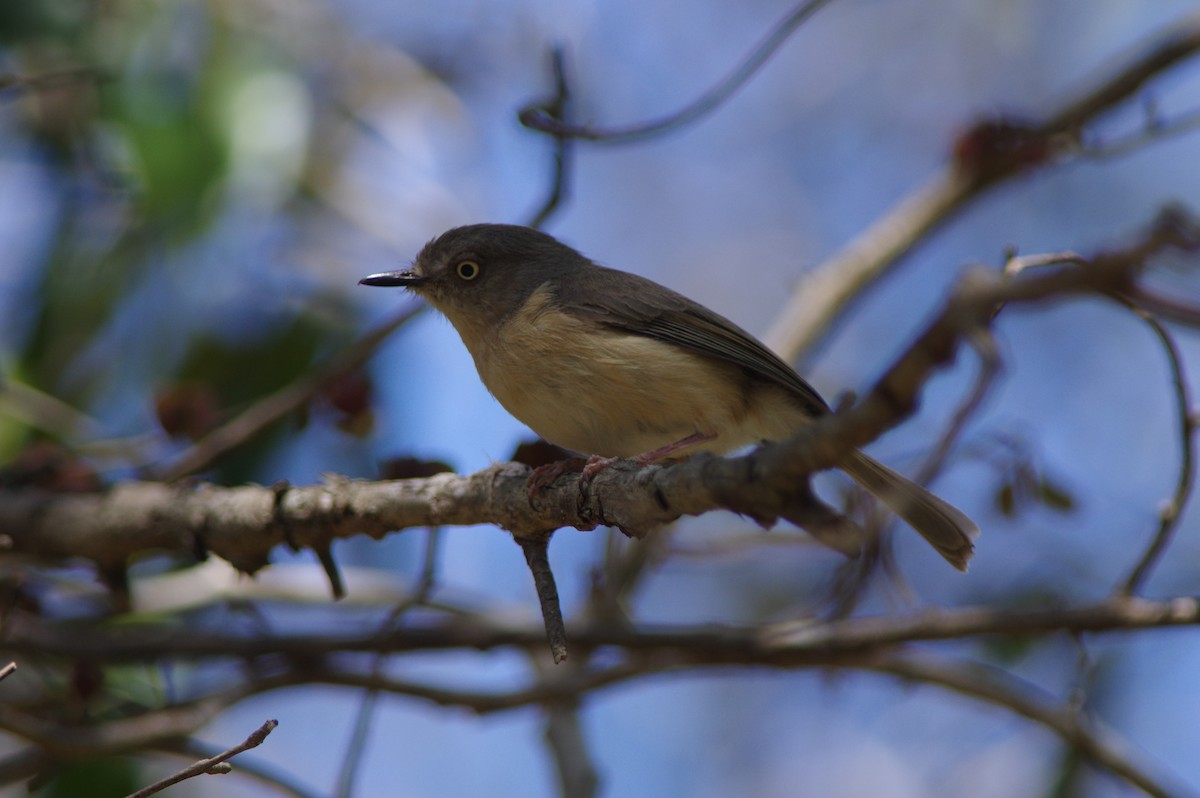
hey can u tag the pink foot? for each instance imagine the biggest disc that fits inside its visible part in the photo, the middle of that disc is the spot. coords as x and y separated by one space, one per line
595 464
544 476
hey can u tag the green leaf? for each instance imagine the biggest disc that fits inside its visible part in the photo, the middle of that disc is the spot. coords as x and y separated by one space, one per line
96 778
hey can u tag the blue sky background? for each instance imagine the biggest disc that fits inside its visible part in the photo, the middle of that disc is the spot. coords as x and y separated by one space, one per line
859 108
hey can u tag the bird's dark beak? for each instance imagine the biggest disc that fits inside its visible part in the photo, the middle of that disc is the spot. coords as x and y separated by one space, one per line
407 279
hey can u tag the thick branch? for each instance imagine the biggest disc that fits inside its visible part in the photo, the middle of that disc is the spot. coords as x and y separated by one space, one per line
874 644
993 152
243 524
781 644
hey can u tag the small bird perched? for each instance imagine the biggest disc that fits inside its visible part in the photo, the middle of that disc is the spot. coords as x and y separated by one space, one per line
610 364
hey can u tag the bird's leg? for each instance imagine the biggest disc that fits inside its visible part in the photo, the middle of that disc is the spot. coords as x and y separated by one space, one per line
543 476
596 463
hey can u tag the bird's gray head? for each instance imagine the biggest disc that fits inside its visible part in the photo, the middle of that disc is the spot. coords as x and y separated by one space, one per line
480 274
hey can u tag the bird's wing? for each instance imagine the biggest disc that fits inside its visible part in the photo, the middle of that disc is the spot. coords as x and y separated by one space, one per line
642 307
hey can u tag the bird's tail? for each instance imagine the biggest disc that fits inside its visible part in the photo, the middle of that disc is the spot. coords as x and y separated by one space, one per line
947 528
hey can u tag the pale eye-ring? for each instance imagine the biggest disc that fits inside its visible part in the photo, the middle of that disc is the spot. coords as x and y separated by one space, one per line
467 269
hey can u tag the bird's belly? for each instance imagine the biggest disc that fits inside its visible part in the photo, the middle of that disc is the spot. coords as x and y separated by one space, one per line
615 394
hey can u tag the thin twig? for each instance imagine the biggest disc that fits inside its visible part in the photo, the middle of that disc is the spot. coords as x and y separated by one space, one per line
1171 514
337 585
255 739
989 368
536 118
1156 129
577 776
555 108
359 736
363 719
1001 688
624 568
426 580
537 558
274 777
481 702
1015 264
1082 677
1170 308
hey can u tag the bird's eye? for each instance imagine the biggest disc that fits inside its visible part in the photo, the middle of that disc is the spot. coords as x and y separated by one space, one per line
467 269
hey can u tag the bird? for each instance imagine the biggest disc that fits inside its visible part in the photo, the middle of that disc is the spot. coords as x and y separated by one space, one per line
610 364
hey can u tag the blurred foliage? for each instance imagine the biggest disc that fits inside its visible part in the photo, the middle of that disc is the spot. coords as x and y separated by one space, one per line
168 139
148 121
102 778
1021 483
242 373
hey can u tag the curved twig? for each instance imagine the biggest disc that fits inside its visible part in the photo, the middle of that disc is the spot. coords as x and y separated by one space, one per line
537 118
556 108
1171 514
209 764
994 686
